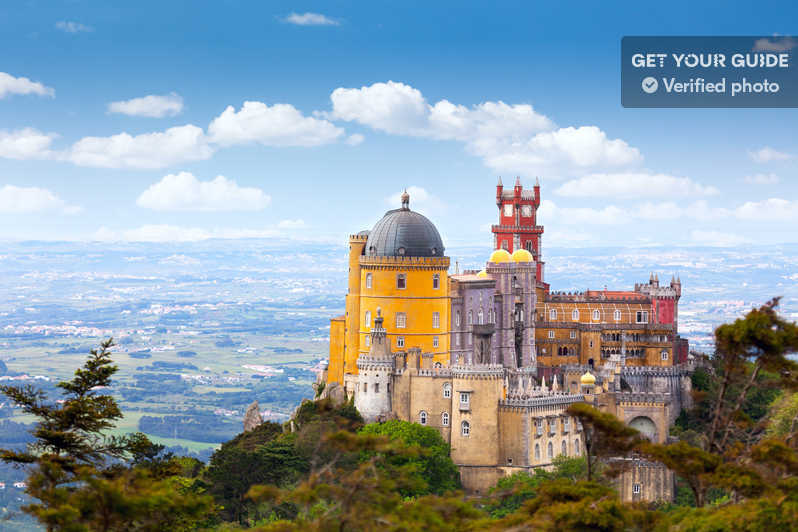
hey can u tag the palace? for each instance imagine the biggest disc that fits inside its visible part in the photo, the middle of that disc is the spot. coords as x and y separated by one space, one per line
470 353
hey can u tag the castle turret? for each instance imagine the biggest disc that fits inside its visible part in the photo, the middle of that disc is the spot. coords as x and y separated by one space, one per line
373 396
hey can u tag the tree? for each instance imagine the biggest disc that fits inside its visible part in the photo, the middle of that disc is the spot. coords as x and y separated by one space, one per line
433 465
80 476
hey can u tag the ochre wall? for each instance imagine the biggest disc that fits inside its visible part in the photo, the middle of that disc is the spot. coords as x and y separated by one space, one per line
335 369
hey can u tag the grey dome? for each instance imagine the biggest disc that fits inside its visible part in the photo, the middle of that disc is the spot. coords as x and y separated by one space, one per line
402 232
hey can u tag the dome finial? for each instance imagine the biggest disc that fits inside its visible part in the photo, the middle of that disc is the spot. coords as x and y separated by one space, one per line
405 200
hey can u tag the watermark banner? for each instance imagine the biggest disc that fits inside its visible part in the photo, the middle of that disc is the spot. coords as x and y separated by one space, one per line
709 72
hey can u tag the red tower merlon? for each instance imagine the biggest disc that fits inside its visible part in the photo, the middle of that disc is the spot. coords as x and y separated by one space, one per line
517 221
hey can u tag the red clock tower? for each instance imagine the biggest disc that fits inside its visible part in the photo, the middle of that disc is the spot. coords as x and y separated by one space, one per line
517 217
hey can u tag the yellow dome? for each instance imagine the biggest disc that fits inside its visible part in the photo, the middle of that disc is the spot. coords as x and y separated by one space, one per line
500 255
522 255
482 273
588 379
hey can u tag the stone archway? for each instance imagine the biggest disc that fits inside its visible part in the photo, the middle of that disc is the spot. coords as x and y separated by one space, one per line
646 426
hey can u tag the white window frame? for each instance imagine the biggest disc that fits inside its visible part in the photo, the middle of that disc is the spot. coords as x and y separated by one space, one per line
369 280
641 316
664 356
470 318
368 340
575 315
465 398
636 489
480 317
465 429
367 319
617 315
400 341
422 418
552 315
596 314
445 419
401 320
551 335
447 390
576 447
436 320
457 318
435 342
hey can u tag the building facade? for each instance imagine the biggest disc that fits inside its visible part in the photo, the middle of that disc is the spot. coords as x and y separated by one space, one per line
470 353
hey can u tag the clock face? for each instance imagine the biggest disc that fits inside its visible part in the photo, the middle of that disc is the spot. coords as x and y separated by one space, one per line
526 210
508 210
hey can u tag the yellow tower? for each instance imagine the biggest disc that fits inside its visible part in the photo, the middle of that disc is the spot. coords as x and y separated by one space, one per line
398 269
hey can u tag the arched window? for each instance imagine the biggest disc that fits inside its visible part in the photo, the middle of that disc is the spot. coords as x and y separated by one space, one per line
564 448
480 317
445 419
465 428
368 340
368 280
368 319
422 418
457 318
551 451
596 315
528 246
552 315
576 447
537 451
401 281
664 355
436 320
617 315
447 390
436 281
470 318
575 315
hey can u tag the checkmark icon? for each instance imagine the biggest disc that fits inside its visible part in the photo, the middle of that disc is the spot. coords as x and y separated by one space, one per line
650 85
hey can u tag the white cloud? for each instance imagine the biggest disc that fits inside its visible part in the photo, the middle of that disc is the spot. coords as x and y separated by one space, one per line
153 106
310 19
768 154
354 140
716 238
276 125
770 210
783 44
633 185
73 27
511 138
615 215
762 179
175 233
291 224
420 200
11 85
19 200
27 143
609 215
148 150
184 192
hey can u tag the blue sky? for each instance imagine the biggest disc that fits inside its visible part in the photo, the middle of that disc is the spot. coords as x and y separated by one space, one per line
116 120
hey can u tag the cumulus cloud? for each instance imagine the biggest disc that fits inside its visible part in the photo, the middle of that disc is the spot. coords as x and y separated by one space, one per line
615 215
770 210
176 233
762 179
420 200
633 185
784 44
184 192
768 154
608 215
69 26
27 143
354 140
276 125
511 138
20 200
153 106
148 150
11 85
310 19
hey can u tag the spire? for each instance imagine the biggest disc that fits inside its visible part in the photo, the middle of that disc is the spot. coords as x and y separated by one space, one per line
500 181
555 387
537 181
518 181
543 383
405 200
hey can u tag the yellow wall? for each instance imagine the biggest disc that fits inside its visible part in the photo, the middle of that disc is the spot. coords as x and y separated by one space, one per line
335 369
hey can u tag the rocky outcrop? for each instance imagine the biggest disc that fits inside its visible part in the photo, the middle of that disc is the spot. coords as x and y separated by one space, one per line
252 418
333 391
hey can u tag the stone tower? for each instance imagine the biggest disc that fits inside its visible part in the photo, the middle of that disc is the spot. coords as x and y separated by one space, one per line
373 394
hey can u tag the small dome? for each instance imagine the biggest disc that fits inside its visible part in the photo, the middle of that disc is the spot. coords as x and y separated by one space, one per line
522 255
482 273
500 255
588 379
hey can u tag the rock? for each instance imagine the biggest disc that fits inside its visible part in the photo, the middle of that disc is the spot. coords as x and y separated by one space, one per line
335 392
252 418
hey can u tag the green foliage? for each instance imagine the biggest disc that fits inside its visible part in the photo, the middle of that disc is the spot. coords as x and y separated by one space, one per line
84 480
784 417
512 491
433 465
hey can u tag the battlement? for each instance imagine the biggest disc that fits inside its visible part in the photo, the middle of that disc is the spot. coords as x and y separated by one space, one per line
478 371
655 371
643 397
517 228
367 362
377 261
555 399
359 237
597 296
